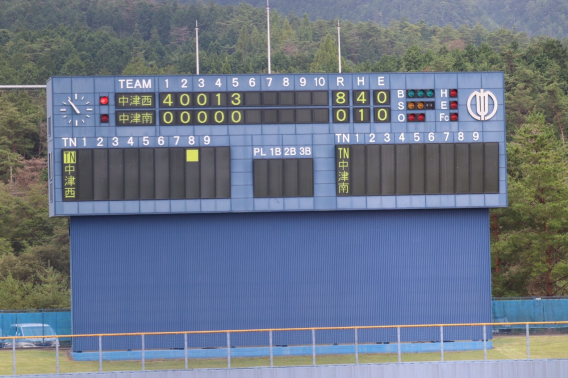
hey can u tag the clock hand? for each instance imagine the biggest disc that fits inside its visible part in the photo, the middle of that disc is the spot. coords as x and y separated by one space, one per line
73 105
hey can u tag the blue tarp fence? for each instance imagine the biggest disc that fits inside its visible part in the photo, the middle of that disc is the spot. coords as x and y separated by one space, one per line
60 320
504 310
530 310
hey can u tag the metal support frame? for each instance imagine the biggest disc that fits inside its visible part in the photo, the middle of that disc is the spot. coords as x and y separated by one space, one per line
23 86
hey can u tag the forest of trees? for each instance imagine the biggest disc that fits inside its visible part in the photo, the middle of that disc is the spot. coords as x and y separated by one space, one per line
40 39
535 17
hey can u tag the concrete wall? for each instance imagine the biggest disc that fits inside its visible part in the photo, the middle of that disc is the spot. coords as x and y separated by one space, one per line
462 369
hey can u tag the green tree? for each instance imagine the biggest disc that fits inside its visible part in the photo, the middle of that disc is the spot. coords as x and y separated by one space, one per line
144 19
258 43
18 134
139 66
533 241
73 67
306 34
226 67
244 43
326 59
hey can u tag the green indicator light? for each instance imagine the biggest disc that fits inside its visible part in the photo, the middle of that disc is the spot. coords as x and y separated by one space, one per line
430 93
411 93
421 93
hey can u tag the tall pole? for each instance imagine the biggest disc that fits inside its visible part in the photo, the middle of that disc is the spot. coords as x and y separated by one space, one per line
339 44
197 46
268 27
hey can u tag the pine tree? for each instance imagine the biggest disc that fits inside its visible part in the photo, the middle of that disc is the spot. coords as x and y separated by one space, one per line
244 42
306 33
139 66
533 243
226 67
326 57
257 42
287 32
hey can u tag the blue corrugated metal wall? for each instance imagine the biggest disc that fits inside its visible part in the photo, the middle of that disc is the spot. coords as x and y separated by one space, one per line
242 271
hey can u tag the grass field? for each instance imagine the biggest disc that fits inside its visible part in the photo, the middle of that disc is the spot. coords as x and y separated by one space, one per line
504 348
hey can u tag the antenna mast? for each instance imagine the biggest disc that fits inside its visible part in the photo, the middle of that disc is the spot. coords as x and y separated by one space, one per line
339 44
197 46
268 28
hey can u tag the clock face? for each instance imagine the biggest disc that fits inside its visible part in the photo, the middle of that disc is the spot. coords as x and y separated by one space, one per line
78 110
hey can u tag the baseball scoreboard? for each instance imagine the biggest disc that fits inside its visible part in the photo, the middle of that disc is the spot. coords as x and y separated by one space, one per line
298 142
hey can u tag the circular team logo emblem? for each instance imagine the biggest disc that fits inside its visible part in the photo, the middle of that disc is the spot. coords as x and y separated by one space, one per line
481 112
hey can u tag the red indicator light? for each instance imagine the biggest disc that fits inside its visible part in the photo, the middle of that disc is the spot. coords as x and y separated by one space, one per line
104 118
104 101
454 93
454 105
454 116
421 117
411 118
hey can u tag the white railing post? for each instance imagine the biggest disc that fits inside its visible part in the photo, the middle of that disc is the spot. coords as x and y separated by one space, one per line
485 343
185 348
398 342
271 351
100 354
57 355
528 344
314 347
442 343
356 348
14 356
143 355
228 349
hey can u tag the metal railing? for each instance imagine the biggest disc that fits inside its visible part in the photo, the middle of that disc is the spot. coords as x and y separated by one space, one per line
228 333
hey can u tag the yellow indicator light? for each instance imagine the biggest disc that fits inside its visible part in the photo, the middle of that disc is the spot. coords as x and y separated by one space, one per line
420 105
410 105
191 155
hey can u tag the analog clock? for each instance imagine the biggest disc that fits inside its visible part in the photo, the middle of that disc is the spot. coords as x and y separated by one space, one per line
77 110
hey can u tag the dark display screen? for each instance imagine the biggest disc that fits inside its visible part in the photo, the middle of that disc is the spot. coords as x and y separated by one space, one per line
404 169
146 173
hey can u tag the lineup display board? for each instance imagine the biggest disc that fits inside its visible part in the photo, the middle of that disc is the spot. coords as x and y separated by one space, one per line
298 142
146 173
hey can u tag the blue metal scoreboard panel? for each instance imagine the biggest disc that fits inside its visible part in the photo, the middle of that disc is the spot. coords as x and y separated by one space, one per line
258 143
275 156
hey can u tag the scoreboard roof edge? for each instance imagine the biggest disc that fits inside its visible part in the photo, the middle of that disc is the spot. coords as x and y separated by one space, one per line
159 144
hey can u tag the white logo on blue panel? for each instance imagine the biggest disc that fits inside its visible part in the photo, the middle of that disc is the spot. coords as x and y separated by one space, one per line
482 105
